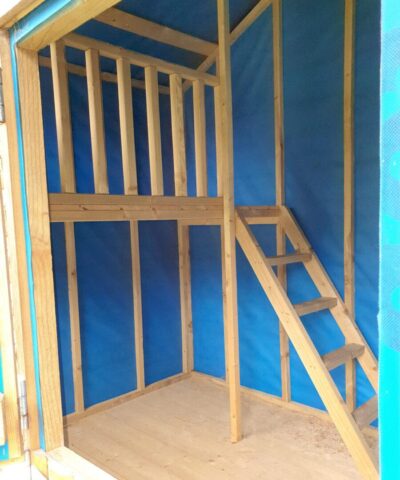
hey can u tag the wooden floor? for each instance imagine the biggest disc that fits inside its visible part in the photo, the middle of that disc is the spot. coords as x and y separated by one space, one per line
181 432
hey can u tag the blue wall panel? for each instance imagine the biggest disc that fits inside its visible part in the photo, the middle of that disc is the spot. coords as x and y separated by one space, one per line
313 104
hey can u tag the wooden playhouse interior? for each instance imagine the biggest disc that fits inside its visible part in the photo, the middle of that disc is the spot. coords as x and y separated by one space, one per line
163 78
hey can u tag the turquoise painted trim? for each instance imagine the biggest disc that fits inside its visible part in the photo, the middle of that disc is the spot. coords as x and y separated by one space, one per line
28 243
38 17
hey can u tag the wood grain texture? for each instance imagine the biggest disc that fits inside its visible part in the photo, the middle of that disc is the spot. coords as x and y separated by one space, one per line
126 127
68 184
229 251
154 131
23 324
178 135
348 184
105 76
111 51
200 142
180 432
160 33
312 361
96 118
41 261
71 17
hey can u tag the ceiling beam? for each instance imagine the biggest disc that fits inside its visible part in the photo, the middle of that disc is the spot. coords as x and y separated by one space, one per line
154 31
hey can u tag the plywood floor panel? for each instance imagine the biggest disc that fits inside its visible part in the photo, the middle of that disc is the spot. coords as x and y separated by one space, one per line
182 432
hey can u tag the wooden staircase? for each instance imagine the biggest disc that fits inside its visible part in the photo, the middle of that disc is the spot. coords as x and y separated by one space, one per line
349 423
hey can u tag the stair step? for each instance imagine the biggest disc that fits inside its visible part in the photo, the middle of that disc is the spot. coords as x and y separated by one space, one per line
342 355
367 413
296 257
316 305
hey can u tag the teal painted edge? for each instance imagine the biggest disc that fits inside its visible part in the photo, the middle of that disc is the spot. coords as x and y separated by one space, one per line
38 17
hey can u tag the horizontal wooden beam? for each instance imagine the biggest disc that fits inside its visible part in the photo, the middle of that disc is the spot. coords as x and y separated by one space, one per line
66 20
160 33
105 76
71 207
112 51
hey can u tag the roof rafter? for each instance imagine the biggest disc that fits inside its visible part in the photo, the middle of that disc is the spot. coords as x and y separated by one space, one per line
240 28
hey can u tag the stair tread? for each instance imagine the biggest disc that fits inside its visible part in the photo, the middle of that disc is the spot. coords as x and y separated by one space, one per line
295 257
342 355
316 305
366 413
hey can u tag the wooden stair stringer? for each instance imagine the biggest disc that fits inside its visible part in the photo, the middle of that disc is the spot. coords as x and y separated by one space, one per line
326 288
312 361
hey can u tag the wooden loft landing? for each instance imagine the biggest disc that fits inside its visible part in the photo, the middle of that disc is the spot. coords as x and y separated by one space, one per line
180 432
75 207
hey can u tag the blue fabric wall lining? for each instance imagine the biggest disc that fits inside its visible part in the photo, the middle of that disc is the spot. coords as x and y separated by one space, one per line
104 260
313 66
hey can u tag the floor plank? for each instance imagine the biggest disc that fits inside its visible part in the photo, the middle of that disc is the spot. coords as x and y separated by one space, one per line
182 432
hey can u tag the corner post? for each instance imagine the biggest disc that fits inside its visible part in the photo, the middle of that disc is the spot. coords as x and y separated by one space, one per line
231 327
40 258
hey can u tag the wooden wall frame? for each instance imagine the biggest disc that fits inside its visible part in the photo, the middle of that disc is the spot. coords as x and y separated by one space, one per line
44 208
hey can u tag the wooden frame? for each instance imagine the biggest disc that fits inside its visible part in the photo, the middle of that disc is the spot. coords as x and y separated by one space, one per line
70 207
35 178
17 245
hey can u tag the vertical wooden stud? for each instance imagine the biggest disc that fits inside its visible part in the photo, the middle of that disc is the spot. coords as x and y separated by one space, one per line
137 304
280 182
200 145
26 345
131 188
63 117
219 152
41 262
154 130
348 139
126 126
231 340
185 297
178 134
96 119
67 178
180 176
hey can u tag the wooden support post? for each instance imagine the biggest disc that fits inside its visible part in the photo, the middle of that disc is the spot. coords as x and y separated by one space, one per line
199 114
131 187
96 118
41 262
180 177
11 427
25 346
219 158
348 139
280 183
231 339
67 178
154 130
